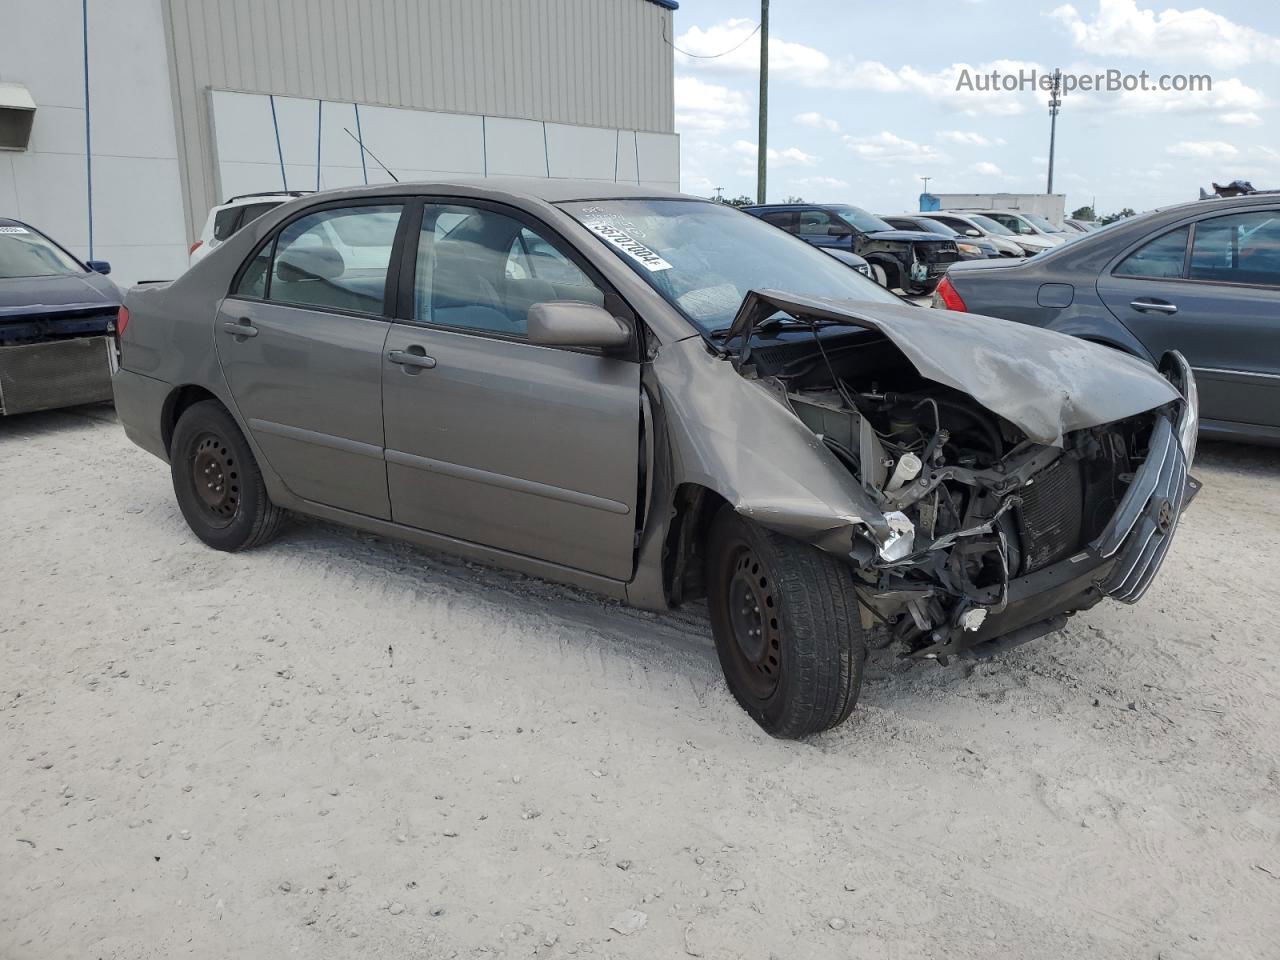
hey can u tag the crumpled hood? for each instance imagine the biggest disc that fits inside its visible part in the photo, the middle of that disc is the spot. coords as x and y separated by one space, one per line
1045 383
27 296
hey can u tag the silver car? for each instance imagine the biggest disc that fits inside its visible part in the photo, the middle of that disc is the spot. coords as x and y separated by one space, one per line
660 399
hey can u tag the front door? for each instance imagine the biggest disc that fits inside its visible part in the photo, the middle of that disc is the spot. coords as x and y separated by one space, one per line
1218 303
495 440
301 344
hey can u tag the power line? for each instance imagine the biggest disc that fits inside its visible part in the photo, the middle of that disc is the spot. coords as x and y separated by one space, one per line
707 56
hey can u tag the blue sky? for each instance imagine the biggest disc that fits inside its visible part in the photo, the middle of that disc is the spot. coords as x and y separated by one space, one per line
863 102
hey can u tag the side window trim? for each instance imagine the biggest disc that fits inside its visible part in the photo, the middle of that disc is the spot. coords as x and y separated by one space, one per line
404 314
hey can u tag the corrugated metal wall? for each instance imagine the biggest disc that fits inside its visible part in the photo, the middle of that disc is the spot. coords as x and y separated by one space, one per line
596 62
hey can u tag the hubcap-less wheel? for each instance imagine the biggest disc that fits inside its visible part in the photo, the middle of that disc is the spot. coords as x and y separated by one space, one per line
216 479
753 617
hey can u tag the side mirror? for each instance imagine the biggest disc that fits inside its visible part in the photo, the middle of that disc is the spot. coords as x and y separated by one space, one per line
837 231
98 266
972 232
571 323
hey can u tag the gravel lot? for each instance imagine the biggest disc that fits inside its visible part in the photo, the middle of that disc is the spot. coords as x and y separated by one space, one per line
339 746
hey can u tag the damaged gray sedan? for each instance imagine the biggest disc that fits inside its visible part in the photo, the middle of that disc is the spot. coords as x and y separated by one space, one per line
660 399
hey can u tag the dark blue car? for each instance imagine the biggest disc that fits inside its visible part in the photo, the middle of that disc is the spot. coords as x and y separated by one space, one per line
1202 278
57 317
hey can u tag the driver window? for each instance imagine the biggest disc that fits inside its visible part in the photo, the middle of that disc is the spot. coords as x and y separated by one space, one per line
482 270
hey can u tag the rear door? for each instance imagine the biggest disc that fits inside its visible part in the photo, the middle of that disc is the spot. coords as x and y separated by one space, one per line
1210 289
493 439
301 341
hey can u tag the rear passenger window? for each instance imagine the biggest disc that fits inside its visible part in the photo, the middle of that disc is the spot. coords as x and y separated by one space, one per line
1161 258
785 219
334 259
224 222
1239 248
253 211
482 270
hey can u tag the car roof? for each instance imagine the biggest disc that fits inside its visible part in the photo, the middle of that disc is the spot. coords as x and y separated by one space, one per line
548 189
10 222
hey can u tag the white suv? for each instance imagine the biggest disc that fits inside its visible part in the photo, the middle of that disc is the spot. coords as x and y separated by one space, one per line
227 218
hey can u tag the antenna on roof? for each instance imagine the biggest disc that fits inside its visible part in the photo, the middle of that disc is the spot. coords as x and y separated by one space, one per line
370 153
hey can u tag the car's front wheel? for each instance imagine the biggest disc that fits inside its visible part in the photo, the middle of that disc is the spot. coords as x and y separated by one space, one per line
787 627
217 481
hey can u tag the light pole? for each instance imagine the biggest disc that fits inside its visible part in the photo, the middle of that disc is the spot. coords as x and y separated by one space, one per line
1055 102
762 137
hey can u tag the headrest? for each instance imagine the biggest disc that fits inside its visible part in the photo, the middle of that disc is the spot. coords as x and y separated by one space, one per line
310 263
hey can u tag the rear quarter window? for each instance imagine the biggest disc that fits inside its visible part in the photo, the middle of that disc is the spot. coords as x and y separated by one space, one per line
1158 259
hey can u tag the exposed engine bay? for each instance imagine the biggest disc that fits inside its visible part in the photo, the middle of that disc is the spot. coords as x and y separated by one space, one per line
973 504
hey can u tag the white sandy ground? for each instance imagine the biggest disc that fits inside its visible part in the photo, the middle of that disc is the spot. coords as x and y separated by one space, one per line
339 746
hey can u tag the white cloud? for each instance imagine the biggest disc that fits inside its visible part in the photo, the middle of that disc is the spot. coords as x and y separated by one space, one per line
832 183
889 148
1245 118
970 138
1121 29
817 121
1202 149
786 157
708 106
987 169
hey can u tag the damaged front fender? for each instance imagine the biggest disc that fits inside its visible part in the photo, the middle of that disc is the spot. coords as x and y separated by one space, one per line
738 439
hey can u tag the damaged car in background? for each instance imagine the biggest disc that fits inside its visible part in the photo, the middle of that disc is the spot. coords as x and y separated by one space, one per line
660 399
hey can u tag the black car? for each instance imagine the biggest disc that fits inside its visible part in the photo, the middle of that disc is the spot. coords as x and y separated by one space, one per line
1202 278
970 248
57 315
911 260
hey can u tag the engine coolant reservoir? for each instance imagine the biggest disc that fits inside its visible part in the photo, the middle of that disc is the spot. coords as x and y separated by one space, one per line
907 469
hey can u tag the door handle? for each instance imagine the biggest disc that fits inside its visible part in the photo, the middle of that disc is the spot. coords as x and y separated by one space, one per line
1154 306
242 329
408 358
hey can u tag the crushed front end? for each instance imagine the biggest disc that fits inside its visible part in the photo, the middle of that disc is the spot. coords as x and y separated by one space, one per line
55 357
1009 537
1005 500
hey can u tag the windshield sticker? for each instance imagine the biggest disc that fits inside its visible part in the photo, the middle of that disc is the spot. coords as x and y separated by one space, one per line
13 229
633 248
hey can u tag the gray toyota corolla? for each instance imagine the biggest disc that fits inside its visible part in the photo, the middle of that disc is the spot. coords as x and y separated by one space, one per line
660 398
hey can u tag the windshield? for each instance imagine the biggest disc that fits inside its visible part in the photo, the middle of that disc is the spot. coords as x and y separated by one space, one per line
991 226
1042 223
703 258
24 253
866 222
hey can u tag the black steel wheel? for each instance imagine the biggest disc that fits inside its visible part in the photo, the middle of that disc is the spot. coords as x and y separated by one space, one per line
215 478
787 627
217 481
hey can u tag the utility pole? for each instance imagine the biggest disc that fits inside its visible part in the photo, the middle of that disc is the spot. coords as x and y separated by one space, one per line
762 138
1055 102
926 183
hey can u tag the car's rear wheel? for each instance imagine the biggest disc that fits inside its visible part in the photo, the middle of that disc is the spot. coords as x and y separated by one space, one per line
787 628
217 481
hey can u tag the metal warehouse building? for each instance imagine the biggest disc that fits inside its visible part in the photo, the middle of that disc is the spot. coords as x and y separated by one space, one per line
123 121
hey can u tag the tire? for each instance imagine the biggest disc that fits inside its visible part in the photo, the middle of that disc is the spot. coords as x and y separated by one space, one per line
801 671
217 481
879 276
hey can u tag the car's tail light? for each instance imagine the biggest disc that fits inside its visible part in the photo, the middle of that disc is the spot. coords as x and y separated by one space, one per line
951 299
122 321
195 246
